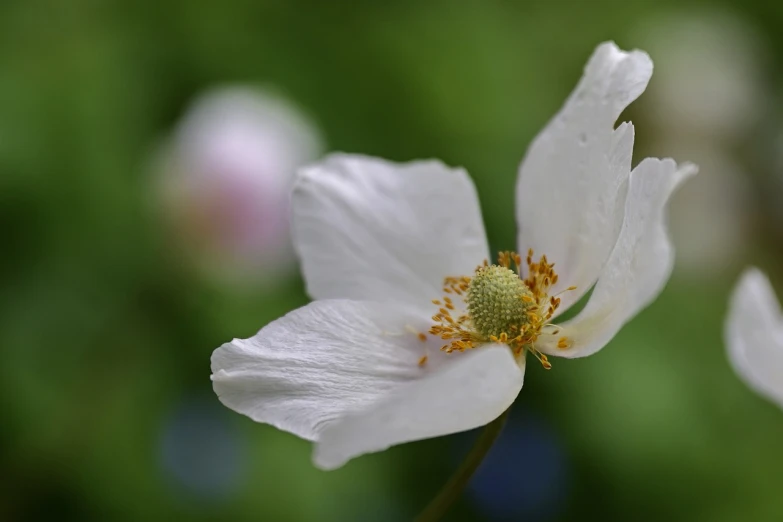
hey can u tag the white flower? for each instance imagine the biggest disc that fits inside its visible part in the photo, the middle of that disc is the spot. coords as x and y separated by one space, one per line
754 335
226 176
384 246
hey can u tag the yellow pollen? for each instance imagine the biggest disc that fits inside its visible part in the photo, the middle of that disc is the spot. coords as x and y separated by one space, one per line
497 304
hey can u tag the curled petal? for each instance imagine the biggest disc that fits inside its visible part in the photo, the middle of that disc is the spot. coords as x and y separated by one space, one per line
754 335
637 269
367 228
573 181
350 375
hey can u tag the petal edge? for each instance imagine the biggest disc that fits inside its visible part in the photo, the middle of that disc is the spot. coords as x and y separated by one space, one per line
572 183
371 229
638 267
473 391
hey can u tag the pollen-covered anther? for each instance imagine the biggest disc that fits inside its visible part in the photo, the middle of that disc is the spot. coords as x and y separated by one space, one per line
564 343
502 306
457 285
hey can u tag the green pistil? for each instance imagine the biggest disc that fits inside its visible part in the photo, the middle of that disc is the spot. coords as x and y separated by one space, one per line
498 301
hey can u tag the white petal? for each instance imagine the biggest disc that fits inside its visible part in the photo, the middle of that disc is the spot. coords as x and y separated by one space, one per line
473 391
367 228
754 335
310 367
321 363
573 181
638 267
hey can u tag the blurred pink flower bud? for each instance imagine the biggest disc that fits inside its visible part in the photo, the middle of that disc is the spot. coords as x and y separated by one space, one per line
226 175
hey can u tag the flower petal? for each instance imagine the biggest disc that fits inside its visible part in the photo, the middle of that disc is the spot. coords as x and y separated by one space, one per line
638 267
573 181
321 363
313 365
367 228
473 391
754 335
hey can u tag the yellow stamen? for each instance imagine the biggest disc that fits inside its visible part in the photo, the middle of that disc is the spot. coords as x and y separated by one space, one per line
502 306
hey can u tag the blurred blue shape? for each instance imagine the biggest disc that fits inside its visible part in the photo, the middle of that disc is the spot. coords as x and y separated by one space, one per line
525 476
201 451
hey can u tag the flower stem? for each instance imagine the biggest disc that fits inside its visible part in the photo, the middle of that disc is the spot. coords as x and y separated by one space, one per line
457 482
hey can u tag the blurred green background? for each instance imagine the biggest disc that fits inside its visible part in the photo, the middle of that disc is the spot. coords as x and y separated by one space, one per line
106 333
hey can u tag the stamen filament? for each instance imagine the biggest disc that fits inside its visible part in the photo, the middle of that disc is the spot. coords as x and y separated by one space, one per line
502 306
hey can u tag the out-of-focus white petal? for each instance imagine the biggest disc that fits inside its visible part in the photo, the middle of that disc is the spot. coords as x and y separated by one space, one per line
320 365
367 228
638 267
754 335
573 181
474 390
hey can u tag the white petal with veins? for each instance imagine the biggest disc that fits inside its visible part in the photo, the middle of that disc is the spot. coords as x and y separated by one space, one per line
367 228
573 181
349 370
754 335
376 240
638 267
473 391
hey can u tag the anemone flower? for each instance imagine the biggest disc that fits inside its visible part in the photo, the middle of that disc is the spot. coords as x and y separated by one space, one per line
414 333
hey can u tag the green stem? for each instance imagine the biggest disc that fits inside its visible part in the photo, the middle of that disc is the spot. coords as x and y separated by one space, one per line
453 488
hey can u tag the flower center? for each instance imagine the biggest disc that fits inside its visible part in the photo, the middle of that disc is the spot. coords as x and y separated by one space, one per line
501 306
